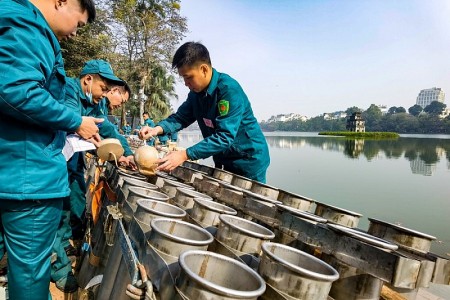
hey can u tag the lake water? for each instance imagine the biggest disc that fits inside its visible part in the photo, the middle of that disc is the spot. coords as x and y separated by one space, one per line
404 181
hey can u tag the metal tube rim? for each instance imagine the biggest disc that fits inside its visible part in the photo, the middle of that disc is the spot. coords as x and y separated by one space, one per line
257 196
214 206
139 183
403 229
215 287
338 209
302 214
155 228
193 193
363 236
176 184
181 213
297 196
226 220
138 191
298 269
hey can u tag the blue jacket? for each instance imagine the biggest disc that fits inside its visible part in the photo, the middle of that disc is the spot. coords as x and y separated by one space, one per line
149 122
126 129
77 100
231 132
33 116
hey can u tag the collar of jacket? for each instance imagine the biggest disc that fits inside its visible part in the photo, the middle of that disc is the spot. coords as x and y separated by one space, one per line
87 108
81 95
213 83
28 4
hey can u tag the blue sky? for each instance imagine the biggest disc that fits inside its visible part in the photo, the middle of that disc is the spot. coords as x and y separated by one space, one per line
311 57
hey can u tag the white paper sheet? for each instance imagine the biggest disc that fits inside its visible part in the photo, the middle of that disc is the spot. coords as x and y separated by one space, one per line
75 143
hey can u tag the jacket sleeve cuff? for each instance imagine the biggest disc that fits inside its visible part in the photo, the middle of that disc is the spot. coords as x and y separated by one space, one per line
164 126
75 123
190 154
127 152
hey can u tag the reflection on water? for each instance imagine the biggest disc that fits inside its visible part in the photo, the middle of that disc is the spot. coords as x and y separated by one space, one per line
423 154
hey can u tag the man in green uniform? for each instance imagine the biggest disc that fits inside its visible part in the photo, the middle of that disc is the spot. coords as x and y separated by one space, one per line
148 122
115 98
34 119
126 129
88 98
223 112
84 95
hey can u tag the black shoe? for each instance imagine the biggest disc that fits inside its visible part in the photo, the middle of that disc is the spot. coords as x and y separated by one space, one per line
71 251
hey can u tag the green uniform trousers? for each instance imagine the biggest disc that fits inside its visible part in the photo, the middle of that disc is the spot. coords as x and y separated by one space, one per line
73 210
27 233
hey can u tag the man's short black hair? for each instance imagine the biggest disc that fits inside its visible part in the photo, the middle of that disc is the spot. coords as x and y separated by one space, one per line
89 6
125 87
146 113
191 54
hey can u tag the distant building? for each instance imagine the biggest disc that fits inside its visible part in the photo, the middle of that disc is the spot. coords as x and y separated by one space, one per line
334 116
356 123
429 95
445 113
287 117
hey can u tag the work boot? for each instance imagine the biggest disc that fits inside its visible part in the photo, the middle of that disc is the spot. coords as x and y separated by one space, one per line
67 284
71 251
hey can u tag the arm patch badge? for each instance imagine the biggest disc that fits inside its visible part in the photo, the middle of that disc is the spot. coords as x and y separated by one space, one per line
224 107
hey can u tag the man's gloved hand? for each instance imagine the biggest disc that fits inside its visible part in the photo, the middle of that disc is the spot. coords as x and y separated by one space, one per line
143 289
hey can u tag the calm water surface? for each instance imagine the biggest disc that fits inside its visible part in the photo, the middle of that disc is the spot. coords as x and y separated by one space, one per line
404 181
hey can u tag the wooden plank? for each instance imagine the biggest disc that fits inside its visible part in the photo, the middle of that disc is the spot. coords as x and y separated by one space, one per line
388 294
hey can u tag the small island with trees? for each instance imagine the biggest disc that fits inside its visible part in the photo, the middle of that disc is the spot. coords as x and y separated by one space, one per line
356 129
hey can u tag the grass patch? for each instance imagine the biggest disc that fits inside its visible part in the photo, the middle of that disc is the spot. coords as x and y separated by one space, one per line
373 135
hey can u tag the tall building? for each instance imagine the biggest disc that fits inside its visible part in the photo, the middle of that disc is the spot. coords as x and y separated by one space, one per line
429 95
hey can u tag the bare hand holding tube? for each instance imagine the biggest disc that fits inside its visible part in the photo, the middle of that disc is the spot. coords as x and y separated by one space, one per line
148 132
172 160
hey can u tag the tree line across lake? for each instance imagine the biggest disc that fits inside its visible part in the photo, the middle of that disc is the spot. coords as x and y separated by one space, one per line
416 120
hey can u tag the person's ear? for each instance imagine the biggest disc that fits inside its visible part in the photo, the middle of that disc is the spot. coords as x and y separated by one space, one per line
60 3
87 79
204 68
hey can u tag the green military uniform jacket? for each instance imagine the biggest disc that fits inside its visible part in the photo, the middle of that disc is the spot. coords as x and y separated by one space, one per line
149 122
231 132
33 117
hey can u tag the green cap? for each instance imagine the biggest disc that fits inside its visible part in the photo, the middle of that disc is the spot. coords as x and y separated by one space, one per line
102 68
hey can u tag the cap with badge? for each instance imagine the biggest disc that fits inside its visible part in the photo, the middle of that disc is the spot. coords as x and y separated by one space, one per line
102 68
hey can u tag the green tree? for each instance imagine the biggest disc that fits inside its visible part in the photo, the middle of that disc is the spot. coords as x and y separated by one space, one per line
392 110
435 108
148 32
432 124
162 87
349 111
415 110
400 109
92 42
372 116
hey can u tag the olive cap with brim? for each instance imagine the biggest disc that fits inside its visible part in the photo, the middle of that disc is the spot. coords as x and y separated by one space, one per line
102 68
